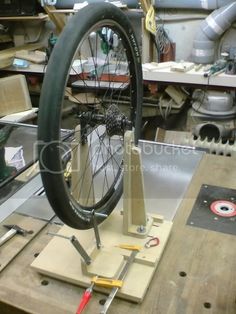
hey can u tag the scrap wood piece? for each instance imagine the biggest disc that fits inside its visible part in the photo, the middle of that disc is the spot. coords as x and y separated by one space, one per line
14 95
182 67
7 55
36 56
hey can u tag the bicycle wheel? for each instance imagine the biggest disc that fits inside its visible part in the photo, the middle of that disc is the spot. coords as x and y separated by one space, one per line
92 87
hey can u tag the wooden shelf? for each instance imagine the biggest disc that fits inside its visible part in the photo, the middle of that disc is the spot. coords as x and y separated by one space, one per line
192 77
40 17
62 11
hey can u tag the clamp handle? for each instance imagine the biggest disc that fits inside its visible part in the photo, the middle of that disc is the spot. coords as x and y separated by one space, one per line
106 282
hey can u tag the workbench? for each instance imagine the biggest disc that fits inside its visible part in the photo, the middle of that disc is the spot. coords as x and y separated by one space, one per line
196 273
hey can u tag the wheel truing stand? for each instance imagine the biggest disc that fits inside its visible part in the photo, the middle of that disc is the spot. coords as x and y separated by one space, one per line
130 226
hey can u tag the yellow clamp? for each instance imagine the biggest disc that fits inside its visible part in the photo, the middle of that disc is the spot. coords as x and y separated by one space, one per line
106 282
150 21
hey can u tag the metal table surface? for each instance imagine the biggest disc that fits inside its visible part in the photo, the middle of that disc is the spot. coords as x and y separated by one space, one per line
167 171
24 136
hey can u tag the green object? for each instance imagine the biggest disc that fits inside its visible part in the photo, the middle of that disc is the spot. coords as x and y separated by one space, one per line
5 171
52 40
218 66
51 43
106 46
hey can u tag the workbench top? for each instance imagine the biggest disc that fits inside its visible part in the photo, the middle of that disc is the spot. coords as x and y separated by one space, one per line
166 75
196 273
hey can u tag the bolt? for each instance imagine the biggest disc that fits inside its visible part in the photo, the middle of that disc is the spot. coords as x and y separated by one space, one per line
141 229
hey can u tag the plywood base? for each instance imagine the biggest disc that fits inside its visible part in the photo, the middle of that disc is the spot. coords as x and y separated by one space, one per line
60 260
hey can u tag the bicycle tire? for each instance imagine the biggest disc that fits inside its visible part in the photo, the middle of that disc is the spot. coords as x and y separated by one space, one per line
52 93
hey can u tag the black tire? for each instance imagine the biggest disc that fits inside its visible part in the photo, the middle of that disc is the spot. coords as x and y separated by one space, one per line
52 97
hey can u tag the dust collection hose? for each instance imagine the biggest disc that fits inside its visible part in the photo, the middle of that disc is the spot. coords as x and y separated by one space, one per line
191 4
179 4
210 30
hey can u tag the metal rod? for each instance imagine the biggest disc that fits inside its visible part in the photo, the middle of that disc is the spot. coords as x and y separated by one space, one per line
121 277
75 242
96 214
96 232
58 235
81 250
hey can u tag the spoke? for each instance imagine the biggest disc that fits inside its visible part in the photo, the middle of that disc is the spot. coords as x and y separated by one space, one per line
105 164
81 78
91 184
106 155
108 152
110 158
87 158
106 62
95 171
91 159
79 143
112 90
113 84
95 65
70 93
96 51
101 142
79 74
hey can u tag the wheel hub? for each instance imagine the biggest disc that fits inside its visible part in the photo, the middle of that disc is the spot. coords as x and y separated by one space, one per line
115 121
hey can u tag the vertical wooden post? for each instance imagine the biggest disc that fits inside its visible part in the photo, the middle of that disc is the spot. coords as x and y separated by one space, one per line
135 220
81 171
147 45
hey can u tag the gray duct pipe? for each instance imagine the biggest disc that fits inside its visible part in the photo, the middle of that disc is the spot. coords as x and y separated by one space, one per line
191 4
66 4
179 4
209 31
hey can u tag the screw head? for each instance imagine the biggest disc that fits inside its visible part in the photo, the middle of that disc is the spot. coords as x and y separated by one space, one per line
141 229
